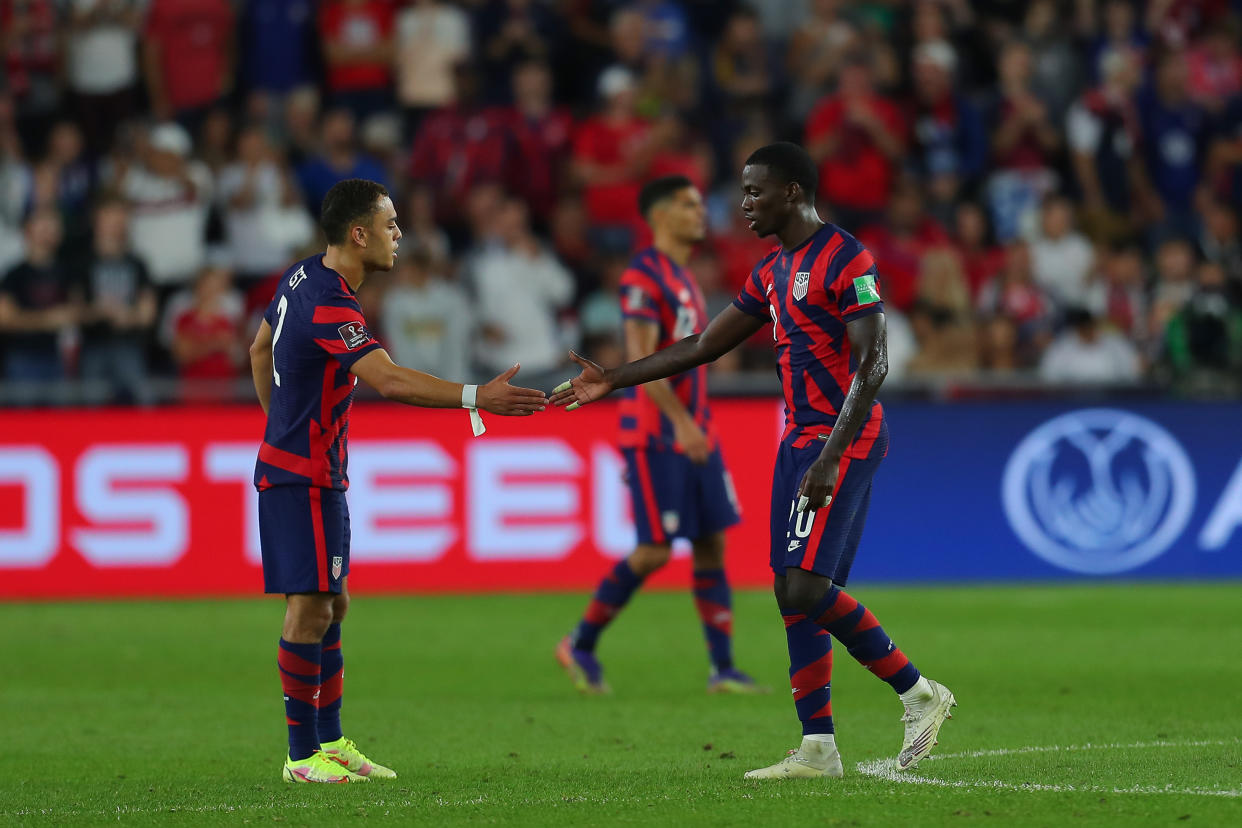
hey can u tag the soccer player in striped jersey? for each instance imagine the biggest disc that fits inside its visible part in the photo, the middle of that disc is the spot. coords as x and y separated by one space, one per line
311 348
819 291
679 486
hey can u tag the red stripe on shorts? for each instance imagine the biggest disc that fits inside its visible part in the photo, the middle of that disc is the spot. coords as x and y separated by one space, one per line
649 503
821 519
321 547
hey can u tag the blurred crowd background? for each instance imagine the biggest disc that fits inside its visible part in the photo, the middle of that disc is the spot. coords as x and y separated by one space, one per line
1050 187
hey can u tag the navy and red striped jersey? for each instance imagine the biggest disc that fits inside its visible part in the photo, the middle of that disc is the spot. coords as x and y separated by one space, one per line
318 333
656 289
810 293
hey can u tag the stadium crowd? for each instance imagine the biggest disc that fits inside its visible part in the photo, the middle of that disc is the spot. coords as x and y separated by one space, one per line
1050 188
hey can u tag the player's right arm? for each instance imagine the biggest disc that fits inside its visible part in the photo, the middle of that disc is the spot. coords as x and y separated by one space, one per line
261 364
730 328
641 339
411 387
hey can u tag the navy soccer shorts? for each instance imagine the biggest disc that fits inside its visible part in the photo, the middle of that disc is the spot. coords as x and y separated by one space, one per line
676 498
825 540
304 535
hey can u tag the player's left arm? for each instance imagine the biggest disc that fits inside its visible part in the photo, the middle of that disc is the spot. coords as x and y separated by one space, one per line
261 364
869 340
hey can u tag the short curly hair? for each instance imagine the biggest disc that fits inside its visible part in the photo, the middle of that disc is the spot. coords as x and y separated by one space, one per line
347 203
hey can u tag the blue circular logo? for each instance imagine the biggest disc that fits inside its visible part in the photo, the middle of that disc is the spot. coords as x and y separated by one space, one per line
1098 491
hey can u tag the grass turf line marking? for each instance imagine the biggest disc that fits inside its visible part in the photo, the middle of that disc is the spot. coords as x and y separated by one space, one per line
886 769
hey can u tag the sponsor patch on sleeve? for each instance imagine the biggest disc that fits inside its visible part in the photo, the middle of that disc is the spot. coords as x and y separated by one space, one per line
865 287
354 335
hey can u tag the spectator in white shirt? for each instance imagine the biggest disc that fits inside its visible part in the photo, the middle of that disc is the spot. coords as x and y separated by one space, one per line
1087 354
1061 257
432 37
169 194
427 319
519 287
102 65
264 217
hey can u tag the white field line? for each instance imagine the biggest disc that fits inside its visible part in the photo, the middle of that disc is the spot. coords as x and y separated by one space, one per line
886 769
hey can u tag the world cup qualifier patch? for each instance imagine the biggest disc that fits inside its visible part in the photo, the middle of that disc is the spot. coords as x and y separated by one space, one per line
353 334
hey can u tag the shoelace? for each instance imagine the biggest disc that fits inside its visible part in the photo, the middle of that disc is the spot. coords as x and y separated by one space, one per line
322 762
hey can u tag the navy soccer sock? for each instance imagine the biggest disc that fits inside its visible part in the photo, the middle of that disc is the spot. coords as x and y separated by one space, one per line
612 594
299 677
714 601
331 679
856 628
810 672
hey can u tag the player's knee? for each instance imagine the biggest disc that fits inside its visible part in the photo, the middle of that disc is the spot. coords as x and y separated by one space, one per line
803 590
340 606
709 552
307 620
649 557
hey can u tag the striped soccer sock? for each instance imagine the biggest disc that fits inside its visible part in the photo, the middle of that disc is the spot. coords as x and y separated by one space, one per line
331 680
714 601
856 628
810 672
613 593
299 677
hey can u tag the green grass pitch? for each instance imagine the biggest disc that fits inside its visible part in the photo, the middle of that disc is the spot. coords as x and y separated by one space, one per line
1101 705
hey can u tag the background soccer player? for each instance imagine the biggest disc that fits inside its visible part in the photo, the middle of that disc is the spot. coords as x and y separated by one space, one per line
311 346
678 483
819 291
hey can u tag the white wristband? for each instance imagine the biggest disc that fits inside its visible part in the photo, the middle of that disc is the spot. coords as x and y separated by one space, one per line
470 399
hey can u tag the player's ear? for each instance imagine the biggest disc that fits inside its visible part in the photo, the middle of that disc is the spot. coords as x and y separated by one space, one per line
359 235
793 192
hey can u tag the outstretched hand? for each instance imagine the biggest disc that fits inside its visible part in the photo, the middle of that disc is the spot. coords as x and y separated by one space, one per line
499 397
588 386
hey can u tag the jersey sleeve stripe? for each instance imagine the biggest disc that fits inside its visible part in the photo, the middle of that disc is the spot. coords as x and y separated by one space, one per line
859 265
328 314
336 346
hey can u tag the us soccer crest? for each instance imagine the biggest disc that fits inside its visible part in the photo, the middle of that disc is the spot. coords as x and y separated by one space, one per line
671 521
802 280
337 561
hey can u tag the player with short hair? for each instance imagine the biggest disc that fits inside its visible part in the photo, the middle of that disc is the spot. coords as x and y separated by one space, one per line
679 486
818 289
311 347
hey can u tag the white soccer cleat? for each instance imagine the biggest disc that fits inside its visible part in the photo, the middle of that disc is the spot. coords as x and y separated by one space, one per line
812 760
923 723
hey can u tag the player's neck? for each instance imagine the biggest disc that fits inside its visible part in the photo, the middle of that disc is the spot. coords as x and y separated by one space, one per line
677 250
349 267
800 227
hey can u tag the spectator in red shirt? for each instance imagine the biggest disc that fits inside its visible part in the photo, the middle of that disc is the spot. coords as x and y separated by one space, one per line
459 147
1215 67
856 136
1024 139
357 37
899 244
30 66
540 132
188 58
1014 311
612 156
207 343
972 240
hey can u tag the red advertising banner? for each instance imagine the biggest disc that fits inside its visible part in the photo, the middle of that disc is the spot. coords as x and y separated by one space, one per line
117 503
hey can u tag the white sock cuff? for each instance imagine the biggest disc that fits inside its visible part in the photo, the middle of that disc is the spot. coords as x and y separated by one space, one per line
919 692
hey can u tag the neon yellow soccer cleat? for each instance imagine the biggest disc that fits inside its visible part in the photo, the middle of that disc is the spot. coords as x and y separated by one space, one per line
355 761
318 768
